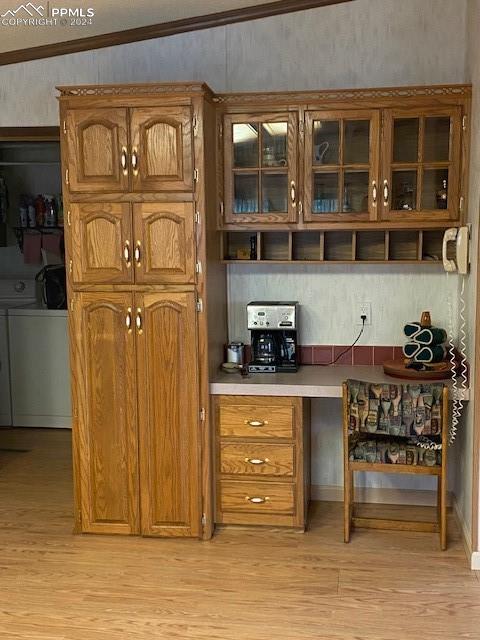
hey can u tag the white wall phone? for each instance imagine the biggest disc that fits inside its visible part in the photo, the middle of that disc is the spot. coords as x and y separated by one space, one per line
461 238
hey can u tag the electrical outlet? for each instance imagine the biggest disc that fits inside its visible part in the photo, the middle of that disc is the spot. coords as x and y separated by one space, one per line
363 309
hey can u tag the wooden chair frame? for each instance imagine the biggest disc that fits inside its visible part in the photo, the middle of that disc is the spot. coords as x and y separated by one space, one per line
351 520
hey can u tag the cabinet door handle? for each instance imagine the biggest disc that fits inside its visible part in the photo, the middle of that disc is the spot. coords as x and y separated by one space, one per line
138 253
128 320
293 193
126 254
123 161
135 161
139 321
257 499
374 192
257 461
386 193
256 423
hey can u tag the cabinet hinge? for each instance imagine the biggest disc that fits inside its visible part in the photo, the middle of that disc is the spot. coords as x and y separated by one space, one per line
67 177
72 303
460 204
197 217
198 267
301 127
194 123
220 130
69 218
464 123
300 208
70 266
199 305
195 175
65 127
203 414
222 208
204 519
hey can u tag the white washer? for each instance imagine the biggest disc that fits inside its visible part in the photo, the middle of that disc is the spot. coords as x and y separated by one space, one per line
13 293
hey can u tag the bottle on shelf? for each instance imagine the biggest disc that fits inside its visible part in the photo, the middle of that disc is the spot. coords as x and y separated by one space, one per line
40 210
32 217
23 212
50 212
442 196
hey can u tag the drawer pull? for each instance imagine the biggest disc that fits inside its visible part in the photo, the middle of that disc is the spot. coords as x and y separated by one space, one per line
256 460
256 423
257 499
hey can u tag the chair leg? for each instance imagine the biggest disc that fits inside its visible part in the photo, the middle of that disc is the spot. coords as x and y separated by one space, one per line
443 511
347 486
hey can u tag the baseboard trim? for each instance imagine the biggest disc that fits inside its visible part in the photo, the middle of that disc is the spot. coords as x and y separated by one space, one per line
378 495
466 534
475 565
51 422
5 420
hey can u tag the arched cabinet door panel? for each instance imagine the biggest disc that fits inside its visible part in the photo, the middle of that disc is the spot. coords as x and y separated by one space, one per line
168 414
102 250
164 242
97 150
161 154
105 431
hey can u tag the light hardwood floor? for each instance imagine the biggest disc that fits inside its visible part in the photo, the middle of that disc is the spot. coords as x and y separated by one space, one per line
243 584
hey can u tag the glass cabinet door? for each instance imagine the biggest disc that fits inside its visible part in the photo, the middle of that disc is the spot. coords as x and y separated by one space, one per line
341 165
260 168
421 164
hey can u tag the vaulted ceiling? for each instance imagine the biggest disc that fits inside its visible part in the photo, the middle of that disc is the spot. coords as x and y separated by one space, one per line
23 31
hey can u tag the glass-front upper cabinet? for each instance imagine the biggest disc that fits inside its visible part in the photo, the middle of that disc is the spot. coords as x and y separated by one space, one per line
421 166
260 168
341 165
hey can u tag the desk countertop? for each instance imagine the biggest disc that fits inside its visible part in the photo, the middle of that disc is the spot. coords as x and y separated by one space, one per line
309 382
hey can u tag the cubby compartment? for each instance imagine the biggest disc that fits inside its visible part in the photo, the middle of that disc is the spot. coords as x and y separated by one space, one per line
403 245
432 245
338 246
370 246
306 245
275 245
240 245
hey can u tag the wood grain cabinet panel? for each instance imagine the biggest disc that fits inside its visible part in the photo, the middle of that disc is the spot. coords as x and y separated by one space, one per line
162 151
107 421
168 402
102 248
257 459
164 236
267 419
97 150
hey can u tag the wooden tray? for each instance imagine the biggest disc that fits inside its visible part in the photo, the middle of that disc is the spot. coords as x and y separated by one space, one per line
397 369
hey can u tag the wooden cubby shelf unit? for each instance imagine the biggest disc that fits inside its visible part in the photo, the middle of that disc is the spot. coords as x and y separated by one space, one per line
389 246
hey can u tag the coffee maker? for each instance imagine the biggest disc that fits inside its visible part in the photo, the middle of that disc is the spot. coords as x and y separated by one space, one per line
273 327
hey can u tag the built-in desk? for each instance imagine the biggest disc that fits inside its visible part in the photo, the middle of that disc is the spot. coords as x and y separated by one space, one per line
310 381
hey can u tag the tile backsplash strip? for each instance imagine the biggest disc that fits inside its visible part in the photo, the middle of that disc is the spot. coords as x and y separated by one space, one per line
358 355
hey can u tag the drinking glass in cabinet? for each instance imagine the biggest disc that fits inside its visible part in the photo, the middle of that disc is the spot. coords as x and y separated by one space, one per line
435 189
245 197
245 145
326 142
436 146
356 143
274 192
325 192
404 190
274 144
355 196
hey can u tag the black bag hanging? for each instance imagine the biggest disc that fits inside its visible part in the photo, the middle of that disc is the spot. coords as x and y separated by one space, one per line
54 286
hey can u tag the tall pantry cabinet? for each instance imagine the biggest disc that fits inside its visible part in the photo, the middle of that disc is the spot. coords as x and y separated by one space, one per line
147 304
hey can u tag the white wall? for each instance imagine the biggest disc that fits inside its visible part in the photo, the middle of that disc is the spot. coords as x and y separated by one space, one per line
363 43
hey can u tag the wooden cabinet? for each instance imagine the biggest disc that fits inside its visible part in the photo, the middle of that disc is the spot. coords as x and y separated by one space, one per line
105 427
97 150
162 149
421 164
137 249
121 150
260 155
169 420
341 165
263 460
164 242
102 249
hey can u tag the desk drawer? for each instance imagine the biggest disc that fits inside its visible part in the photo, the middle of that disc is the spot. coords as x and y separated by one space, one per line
256 459
256 420
257 497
